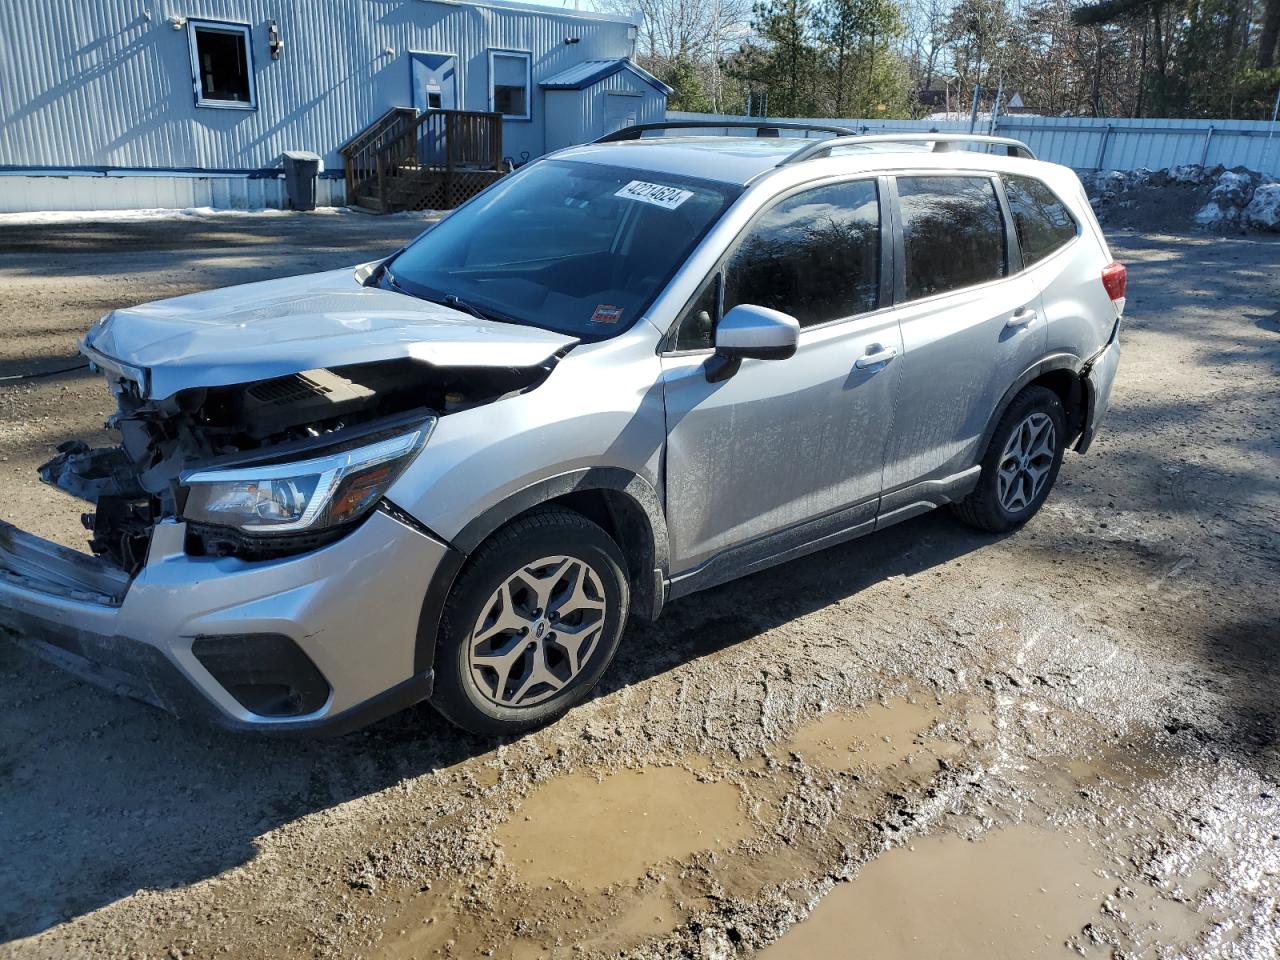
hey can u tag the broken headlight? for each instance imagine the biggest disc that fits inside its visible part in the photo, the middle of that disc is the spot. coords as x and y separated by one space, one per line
303 496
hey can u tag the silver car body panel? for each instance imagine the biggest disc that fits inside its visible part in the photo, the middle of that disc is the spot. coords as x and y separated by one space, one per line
1100 376
321 600
602 405
959 356
262 330
809 432
784 457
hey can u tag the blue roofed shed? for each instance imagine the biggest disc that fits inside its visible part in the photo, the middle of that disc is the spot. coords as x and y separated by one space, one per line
595 97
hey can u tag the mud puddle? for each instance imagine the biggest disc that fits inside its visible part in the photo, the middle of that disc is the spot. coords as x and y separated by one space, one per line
879 736
592 833
876 736
616 863
1023 893
1047 887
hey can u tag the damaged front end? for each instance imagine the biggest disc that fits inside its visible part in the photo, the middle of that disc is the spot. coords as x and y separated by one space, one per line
270 468
242 568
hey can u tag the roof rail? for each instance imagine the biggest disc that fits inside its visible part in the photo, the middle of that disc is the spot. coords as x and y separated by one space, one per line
762 127
941 144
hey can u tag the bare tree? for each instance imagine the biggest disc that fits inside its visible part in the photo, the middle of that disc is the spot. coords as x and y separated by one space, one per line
924 41
700 33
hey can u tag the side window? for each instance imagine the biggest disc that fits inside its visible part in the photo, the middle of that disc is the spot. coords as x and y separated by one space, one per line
697 329
814 255
222 62
953 231
510 80
1042 221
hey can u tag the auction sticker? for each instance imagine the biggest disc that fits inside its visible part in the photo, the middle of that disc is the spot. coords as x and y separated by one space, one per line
655 193
606 313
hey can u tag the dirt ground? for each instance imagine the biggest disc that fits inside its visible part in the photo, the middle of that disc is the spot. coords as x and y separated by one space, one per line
928 743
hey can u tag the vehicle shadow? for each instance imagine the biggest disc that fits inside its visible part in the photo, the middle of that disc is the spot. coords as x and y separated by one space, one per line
103 796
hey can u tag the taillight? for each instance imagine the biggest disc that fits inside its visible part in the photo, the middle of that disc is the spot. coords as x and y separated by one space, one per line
1114 279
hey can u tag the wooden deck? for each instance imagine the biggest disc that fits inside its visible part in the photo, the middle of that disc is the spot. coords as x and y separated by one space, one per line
430 161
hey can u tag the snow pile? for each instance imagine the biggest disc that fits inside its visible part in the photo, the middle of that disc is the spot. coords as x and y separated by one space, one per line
1263 211
1213 198
149 213
1231 193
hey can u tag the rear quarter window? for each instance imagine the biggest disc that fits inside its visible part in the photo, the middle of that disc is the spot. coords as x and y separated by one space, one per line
1042 221
953 233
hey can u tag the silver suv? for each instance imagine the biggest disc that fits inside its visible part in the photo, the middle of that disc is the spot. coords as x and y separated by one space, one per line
627 372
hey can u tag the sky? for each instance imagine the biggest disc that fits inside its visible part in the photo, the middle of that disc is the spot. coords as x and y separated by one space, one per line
590 5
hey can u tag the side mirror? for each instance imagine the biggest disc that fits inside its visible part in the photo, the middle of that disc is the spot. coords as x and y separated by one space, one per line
751 332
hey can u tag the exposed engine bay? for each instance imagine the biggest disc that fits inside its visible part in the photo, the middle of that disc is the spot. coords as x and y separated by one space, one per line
296 417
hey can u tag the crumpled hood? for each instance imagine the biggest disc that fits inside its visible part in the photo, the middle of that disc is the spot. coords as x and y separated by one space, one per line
270 329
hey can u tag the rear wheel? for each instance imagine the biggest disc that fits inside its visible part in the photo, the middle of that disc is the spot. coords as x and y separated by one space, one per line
531 625
1020 464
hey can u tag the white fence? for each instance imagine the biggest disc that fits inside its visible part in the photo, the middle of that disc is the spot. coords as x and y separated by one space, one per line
1086 143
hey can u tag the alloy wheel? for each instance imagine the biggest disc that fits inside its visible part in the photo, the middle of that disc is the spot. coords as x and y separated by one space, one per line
1026 462
537 631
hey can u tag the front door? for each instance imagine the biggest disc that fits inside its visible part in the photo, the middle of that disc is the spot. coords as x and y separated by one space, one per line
969 328
434 81
785 447
620 110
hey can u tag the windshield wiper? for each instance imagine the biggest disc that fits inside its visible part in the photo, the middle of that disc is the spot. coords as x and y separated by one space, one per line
384 273
449 300
457 303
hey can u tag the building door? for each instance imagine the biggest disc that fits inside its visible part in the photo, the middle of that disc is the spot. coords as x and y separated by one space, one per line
435 81
620 110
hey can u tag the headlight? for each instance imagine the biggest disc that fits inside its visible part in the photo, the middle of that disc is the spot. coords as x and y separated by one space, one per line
306 495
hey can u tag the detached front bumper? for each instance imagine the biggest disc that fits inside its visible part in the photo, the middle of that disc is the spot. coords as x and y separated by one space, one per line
326 641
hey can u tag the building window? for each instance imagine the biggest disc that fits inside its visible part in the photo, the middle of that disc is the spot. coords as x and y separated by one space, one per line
222 64
510 83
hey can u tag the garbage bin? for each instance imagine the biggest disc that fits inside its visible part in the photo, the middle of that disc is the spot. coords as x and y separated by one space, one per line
300 171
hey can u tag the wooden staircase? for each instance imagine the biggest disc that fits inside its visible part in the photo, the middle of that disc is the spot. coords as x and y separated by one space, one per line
429 161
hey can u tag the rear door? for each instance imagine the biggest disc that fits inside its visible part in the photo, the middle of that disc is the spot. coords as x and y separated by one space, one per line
971 323
435 81
1065 264
786 442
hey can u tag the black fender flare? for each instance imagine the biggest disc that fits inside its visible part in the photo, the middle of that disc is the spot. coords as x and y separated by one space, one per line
650 590
1056 361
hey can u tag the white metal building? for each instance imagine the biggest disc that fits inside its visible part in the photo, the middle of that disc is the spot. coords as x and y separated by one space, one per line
596 97
176 103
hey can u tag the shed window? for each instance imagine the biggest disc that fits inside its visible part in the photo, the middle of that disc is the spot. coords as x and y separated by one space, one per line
510 79
222 64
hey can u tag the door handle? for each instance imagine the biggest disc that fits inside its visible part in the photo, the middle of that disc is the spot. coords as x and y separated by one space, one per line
882 355
1022 317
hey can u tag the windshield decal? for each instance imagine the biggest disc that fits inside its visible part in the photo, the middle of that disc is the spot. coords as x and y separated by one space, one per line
660 196
606 313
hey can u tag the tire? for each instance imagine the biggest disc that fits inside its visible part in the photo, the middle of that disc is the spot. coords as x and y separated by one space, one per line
1002 503
504 664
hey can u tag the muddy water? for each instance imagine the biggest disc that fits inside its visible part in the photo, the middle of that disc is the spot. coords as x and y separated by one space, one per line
877 736
593 833
1024 892
607 863
1019 893
1035 890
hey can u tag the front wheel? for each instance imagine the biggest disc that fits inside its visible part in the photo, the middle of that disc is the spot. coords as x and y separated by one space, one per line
1020 464
531 625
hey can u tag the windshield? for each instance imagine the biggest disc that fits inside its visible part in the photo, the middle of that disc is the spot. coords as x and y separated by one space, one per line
578 248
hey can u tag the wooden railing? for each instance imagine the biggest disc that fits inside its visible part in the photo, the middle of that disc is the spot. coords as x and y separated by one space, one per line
439 149
460 140
360 153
